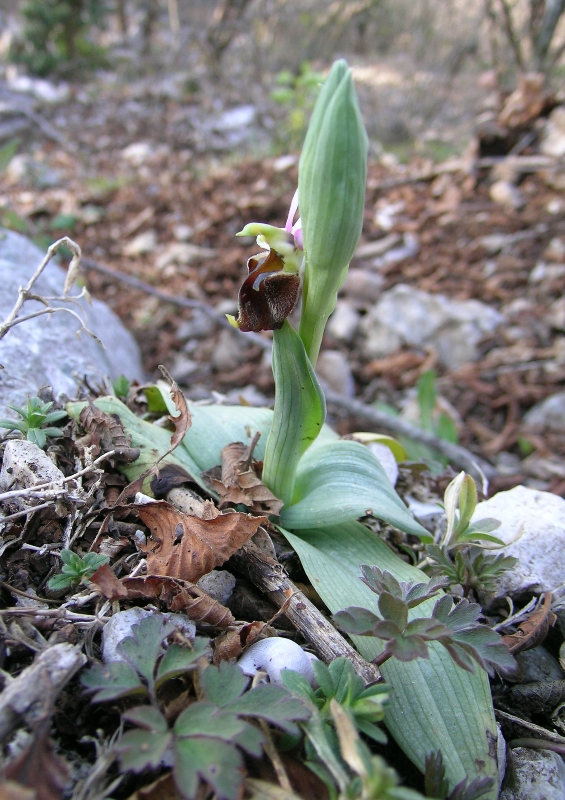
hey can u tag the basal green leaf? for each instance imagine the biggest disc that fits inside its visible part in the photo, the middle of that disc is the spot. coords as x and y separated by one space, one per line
298 685
348 685
113 680
340 481
393 609
300 410
433 705
59 582
178 660
147 717
224 684
142 749
372 731
142 648
273 704
324 678
206 719
251 740
356 619
218 763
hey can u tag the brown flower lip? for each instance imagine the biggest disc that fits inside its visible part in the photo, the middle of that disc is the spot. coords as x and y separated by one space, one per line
267 295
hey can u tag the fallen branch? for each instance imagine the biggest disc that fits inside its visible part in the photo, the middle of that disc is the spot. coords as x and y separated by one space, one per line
183 302
477 467
25 292
267 574
32 695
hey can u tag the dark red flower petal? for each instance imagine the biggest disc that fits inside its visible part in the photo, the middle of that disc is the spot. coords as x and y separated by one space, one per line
267 295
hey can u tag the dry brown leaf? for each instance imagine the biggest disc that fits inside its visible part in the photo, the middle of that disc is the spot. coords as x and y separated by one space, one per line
533 630
188 547
107 433
182 596
232 643
239 482
169 477
109 585
38 767
183 420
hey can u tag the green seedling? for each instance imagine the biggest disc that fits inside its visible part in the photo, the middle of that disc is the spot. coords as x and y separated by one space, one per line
206 740
36 421
455 627
460 555
297 94
76 569
121 386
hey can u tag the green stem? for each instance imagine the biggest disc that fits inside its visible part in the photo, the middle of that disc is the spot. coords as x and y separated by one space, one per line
298 416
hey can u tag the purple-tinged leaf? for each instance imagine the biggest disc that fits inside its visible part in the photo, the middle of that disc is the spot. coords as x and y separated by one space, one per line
393 609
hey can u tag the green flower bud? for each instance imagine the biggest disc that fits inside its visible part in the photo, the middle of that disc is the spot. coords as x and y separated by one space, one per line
331 193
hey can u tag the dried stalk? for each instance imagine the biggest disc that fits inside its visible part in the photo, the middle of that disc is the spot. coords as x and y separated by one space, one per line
267 574
32 694
25 292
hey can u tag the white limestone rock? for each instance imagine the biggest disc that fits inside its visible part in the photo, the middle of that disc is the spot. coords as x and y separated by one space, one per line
46 350
533 527
538 775
407 316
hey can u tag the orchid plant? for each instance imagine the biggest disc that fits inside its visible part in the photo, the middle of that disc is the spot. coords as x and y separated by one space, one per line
327 484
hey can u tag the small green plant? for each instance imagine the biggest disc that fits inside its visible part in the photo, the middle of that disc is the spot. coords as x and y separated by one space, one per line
56 35
205 741
76 569
121 386
455 627
36 421
342 707
460 555
433 420
297 93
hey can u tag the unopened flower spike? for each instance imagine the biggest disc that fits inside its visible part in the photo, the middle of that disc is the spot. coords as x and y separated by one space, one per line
270 291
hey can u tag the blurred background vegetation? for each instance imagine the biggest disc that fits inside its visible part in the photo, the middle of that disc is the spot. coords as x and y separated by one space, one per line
422 66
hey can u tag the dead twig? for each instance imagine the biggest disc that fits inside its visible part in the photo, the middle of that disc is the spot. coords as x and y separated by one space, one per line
268 575
183 302
477 467
52 486
32 695
25 292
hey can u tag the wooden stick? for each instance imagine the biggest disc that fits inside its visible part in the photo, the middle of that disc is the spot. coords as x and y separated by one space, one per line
267 574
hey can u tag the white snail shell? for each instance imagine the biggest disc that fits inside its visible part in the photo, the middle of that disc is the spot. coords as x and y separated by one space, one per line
272 655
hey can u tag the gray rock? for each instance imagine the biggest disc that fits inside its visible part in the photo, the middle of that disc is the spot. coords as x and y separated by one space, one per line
228 353
362 286
344 322
404 315
550 413
198 326
25 465
538 664
120 625
219 584
46 350
334 370
553 143
538 775
533 527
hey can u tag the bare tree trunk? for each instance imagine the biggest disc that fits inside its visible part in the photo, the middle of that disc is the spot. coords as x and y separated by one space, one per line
122 17
220 33
148 26
541 40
